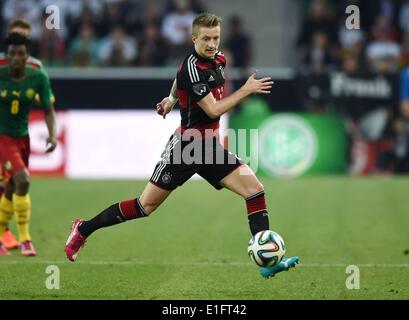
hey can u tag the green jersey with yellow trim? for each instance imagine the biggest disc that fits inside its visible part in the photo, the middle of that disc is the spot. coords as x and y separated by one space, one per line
18 97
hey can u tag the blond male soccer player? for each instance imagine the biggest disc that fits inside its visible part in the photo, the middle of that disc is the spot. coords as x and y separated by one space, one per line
22 27
199 87
19 84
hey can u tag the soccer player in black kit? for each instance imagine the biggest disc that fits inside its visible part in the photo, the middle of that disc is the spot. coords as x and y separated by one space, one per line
195 146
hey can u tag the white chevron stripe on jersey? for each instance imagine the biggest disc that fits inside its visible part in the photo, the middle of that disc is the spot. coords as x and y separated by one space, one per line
194 76
195 69
189 67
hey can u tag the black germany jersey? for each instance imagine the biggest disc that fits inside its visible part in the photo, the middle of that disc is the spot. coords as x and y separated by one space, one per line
196 78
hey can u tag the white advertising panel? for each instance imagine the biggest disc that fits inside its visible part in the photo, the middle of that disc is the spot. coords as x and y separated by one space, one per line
103 144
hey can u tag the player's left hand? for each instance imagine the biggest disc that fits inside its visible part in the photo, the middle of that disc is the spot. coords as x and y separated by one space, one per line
51 144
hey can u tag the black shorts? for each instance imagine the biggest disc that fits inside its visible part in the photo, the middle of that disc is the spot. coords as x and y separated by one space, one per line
182 159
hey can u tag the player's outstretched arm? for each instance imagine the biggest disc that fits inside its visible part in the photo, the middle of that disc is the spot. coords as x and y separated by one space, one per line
50 121
167 104
215 109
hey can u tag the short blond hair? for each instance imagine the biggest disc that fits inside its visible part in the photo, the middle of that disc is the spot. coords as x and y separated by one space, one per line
18 23
206 20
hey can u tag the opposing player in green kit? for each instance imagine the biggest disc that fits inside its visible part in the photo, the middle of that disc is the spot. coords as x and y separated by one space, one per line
19 84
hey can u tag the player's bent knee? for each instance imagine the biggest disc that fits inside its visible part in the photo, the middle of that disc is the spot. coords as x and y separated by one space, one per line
22 182
255 188
259 187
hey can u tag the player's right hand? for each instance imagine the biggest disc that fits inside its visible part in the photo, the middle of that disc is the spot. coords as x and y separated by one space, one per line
51 144
164 107
262 85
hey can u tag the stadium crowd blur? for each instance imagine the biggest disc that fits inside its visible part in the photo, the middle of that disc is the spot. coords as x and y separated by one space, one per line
361 74
113 32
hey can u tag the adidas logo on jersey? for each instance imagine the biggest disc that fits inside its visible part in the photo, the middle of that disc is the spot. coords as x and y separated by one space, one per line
211 78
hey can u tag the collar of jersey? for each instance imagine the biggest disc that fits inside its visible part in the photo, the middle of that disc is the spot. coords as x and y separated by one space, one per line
203 58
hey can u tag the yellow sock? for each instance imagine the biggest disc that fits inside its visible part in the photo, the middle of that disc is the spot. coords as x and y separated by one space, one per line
22 208
6 213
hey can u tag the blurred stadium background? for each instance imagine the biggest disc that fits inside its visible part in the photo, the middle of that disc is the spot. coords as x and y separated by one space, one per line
345 85
339 108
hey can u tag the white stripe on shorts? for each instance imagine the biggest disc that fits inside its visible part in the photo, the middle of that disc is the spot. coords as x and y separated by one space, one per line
163 164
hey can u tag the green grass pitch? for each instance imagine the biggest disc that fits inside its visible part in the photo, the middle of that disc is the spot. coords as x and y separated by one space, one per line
195 245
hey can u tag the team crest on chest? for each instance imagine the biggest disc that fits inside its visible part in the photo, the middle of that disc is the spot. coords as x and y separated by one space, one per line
3 93
30 93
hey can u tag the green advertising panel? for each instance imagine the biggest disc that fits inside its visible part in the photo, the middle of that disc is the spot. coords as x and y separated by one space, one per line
288 144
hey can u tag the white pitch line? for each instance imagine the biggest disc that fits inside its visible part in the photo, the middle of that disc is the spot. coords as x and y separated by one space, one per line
198 264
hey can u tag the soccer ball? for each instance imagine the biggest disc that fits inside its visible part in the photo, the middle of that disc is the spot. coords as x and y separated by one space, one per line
266 248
